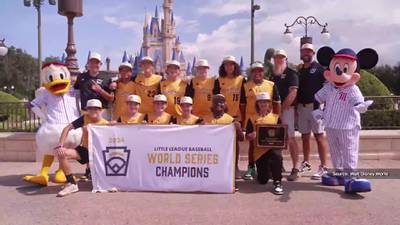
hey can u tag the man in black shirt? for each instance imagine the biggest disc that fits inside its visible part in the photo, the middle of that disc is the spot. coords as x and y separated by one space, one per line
311 79
93 87
287 82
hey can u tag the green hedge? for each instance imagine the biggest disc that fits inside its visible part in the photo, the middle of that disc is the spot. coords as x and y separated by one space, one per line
381 119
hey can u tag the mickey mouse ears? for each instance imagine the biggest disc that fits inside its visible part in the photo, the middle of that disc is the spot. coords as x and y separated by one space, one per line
367 58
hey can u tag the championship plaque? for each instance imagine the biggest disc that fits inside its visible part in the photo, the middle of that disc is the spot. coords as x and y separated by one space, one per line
271 136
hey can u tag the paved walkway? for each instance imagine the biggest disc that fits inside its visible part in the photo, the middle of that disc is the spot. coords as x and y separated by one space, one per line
304 202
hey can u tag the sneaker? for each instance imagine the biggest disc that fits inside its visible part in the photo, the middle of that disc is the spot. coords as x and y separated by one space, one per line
294 175
278 188
305 166
86 177
250 173
321 171
68 189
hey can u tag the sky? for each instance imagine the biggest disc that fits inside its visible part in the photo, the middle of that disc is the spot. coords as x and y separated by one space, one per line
209 29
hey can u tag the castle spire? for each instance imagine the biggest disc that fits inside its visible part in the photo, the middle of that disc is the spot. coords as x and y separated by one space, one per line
125 57
156 12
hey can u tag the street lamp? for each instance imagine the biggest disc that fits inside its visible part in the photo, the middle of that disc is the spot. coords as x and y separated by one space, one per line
254 8
71 9
3 48
37 4
306 21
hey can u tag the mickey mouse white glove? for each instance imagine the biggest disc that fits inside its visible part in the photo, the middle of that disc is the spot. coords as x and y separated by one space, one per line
318 114
363 107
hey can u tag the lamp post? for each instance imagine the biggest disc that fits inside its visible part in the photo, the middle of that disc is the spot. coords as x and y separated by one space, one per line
306 22
254 8
3 48
38 4
71 9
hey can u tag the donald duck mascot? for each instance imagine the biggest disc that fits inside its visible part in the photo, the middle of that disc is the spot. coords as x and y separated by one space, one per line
56 106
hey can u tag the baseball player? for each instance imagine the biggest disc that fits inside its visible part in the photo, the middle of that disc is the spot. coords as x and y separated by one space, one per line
201 89
93 115
187 117
125 87
268 161
159 116
147 84
132 114
257 84
173 88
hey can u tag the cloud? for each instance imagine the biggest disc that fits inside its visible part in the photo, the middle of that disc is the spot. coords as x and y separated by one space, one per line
225 8
352 24
186 25
124 24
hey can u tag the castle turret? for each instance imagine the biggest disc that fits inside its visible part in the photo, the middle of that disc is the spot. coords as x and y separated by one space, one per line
168 32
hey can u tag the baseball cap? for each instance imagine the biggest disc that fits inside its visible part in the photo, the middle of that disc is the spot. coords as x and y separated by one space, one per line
219 96
173 63
134 98
125 64
308 46
229 58
186 100
263 96
147 58
202 62
280 52
95 55
94 103
160 98
257 65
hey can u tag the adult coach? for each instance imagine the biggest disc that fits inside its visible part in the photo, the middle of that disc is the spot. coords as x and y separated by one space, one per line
311 80
93 87
287 82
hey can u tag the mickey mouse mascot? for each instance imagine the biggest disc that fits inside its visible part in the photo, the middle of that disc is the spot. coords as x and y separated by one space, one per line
343 104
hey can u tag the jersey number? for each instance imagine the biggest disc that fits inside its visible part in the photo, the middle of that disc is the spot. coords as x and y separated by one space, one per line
151 93
235 97
177 100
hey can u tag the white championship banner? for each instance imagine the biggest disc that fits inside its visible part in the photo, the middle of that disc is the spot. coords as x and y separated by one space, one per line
172 158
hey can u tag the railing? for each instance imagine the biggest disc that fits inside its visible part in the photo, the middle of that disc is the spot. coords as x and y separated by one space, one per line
383 114
16 117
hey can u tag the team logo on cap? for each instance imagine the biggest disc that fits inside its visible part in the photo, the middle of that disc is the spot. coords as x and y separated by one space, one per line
116 160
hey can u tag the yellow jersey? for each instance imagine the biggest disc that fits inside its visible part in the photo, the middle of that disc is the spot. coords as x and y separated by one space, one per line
202 95
164 119
255 120
251 89
87 121
136 119
192 120
121 94
173 90
147 88
224 119
231 88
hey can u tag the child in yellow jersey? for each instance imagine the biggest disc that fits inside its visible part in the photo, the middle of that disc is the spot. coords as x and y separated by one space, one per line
231 84
257 84
268 161
219 116
147 84
187 117
125 87
201 89
132 115
80 153
173 88
159 116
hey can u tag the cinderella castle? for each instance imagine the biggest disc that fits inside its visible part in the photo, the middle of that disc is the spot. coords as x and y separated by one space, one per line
161 42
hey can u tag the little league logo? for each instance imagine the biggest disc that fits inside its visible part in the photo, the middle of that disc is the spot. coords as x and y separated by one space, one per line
116 160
